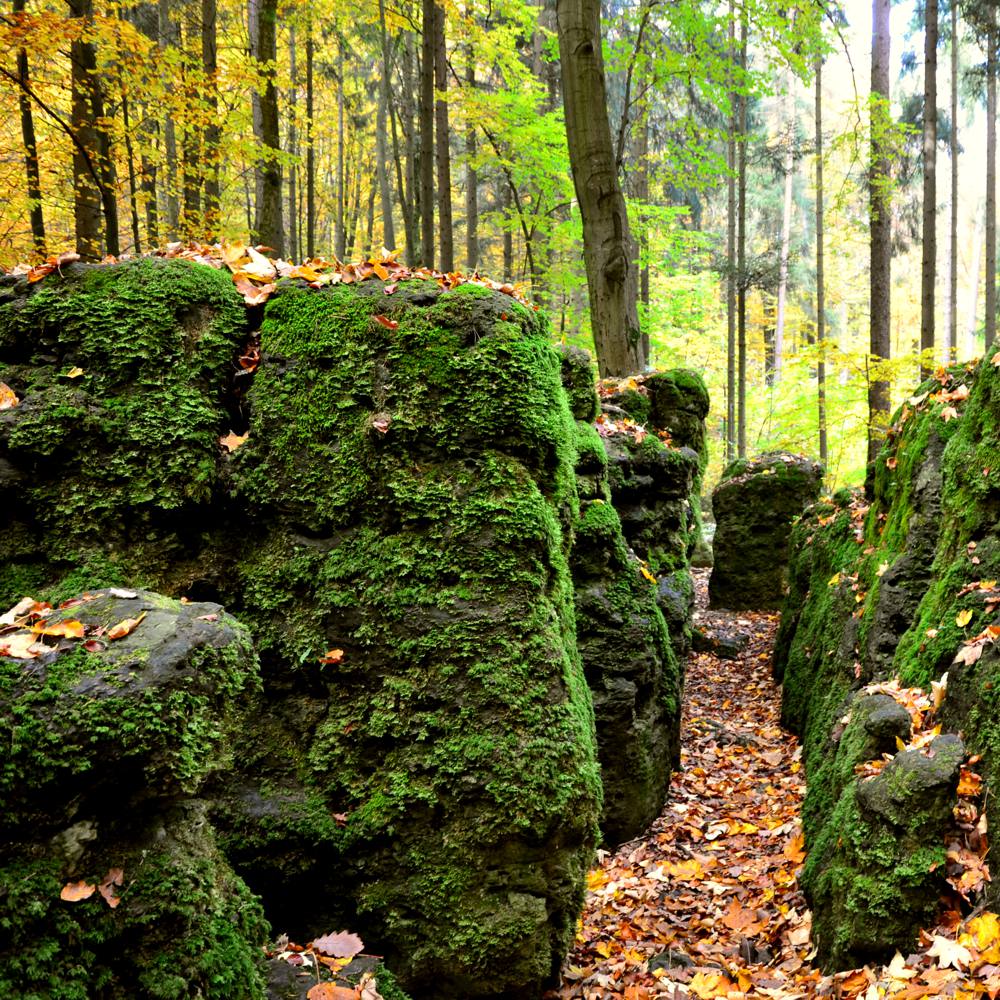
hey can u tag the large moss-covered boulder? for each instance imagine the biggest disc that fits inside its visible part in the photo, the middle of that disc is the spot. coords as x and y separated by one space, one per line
110 466
630 665
409 475
875 874
108 752
755 503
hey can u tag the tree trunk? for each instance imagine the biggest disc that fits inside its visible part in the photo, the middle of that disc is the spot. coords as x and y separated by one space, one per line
268 222
731 251
972 310
880 223
442 137
339 229
381 141
32 173
86 179
133 193
310 150
410 183
293 142
928 264
786 230
503 198
608 250
427 135
741 262
471 176
950 339
213 131
642 195
820 276
168 39
991 178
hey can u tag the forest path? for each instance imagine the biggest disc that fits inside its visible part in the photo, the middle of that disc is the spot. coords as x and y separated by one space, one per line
706 904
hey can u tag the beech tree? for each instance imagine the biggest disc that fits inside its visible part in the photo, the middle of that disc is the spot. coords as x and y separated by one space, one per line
608 250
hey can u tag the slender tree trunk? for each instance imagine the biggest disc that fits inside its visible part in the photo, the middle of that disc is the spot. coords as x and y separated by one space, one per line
339 230
950 339
213 131
442 137
928 265
972 310
991 178
820 276
268 222
642 194
132 185
32 173
786 229
608 248
409 122
731 249
427 135
369 249
741 262
381 140
168 39
86 178
310 149
880 224
503 197
471 176
293 142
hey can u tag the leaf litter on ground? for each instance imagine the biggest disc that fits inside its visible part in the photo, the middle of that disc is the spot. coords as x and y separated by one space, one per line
707 903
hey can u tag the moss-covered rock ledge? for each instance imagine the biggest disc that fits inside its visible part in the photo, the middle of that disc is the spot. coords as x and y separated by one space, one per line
419 762
903 586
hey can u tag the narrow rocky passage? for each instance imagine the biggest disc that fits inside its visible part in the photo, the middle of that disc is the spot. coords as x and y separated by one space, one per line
707 904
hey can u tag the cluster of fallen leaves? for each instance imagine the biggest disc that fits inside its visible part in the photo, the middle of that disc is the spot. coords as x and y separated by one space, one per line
26 626
329 956
255 275
707 905
76 892
607 425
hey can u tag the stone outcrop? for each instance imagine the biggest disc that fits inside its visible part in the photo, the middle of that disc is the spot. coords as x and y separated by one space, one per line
109 752
899 585
755 503
419 760
632 670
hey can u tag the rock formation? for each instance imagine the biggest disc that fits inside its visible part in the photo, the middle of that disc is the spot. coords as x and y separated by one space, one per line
755 503
900 589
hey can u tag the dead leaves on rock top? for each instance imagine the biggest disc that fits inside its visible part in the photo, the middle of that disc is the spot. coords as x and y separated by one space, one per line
329 955
25 626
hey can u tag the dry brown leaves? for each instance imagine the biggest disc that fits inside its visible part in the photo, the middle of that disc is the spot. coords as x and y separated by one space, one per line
707 905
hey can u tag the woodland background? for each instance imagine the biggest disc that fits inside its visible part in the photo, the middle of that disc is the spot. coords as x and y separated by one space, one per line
754 144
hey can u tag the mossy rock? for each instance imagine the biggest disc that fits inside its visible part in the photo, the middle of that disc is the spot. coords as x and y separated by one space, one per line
875 874
630 665
413 496
579 378
150 714
118 468
755 503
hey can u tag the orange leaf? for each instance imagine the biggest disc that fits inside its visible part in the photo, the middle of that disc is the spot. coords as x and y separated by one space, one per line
114 877
125 627
332 656
389 324
67 629
232 441
8 400
342 945
330 991
73 892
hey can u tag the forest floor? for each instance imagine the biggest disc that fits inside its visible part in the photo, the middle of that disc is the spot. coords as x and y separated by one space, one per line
707 903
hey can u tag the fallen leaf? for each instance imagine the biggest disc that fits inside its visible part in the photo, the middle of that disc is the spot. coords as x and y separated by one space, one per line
125 627
389 324
125 595
115 877
342 945
232 441
963 618
949 953
20 646
332 656
73 892
70 629
22 607
8 399
949 413
330 991
74 372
